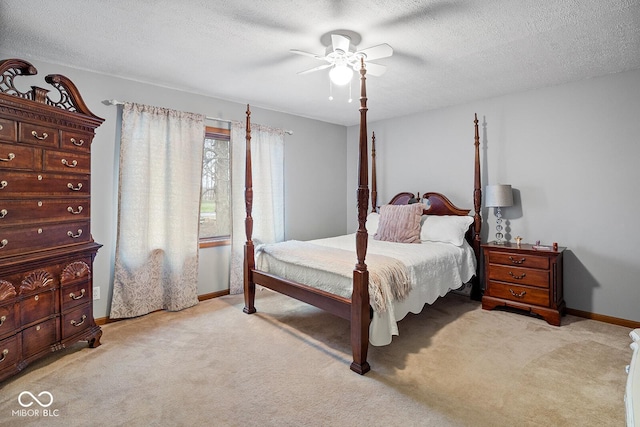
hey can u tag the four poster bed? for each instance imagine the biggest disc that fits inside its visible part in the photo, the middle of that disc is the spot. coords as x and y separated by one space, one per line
398 277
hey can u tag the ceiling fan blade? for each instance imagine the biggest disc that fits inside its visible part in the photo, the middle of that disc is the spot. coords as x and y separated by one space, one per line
376 52
318 68
375 69
340 42
303 53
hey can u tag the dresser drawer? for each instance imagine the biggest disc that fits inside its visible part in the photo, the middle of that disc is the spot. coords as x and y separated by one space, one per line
48 275
20 157
522 294
8 130
41 136
16 212
75 295
10 352
65 161
8 319
7 291
39 337
16 240
76 141
75 271
30 184
519 260
520 276
76 321
37 307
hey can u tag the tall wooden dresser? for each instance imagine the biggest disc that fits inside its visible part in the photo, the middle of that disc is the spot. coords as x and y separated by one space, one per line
46 247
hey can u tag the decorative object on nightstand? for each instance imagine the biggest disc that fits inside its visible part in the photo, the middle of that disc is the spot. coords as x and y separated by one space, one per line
498 196
521 277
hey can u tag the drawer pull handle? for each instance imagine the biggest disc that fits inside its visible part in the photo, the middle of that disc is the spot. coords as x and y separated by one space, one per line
73 164
41 138
1 127
4 354
75 236
517 261
77 297
70 209
3 243
71 187
77 142
522 276
76 324
3 184
10 157
3 213
520 295
3 319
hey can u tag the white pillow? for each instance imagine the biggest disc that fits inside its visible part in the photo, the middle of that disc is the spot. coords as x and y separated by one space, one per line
445 228
372 223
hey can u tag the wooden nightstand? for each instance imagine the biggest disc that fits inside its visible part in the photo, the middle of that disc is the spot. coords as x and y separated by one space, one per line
524 278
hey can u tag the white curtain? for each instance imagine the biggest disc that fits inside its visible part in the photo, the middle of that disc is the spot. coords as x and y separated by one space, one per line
267 160
156 264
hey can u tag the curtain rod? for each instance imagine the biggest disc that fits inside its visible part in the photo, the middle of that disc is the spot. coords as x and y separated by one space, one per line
116 102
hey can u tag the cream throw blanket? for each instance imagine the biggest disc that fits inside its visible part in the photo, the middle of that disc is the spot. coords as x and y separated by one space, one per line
388 277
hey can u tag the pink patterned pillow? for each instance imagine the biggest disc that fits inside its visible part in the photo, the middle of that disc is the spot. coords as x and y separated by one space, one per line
400 223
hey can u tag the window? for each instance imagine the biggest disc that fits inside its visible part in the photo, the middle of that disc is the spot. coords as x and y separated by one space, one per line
215 200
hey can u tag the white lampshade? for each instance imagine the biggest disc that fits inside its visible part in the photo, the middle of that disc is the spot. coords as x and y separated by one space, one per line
499 195
341 74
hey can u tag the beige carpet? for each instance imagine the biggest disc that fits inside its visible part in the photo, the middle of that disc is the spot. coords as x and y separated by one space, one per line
288 365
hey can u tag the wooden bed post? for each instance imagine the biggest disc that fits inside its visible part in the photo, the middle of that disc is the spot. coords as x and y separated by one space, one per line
374 182
360 296
249 253
476 292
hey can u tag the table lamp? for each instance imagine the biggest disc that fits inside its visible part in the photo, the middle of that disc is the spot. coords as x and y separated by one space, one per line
498 196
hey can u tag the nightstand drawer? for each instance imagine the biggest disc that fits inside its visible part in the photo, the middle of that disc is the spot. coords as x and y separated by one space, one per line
519 276
523 294
520 260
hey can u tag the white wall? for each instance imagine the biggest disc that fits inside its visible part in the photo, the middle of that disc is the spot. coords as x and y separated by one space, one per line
315 156
571 154
569 151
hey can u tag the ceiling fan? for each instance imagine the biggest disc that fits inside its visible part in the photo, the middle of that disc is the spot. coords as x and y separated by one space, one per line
343 58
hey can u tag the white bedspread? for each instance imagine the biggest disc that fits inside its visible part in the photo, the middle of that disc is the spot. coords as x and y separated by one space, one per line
433 268
388 276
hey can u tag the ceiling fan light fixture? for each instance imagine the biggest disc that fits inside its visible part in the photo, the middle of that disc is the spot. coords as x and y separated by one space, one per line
341 74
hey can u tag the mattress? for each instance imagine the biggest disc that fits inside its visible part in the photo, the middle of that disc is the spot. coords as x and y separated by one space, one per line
434 269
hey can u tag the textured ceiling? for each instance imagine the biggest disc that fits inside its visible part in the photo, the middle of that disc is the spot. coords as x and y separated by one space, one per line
446 52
